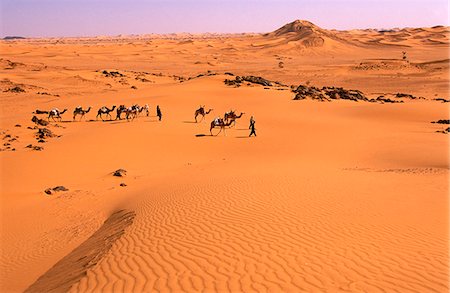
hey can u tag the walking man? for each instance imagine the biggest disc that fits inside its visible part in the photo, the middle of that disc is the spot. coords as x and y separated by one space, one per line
158 113
252 127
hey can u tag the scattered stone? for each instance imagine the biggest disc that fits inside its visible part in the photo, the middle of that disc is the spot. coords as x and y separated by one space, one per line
123 184
231 82
55 189
44 133
281 64
229 73
112 73
442 121
34 147
120 173
41 141
17 125
16 89
134 87
445 131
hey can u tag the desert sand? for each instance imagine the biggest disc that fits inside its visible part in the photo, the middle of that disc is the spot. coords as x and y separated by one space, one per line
336 196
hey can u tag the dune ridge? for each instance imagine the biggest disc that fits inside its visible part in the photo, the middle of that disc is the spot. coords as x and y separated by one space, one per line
73 267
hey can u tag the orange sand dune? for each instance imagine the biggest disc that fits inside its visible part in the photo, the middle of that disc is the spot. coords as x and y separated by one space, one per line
337 196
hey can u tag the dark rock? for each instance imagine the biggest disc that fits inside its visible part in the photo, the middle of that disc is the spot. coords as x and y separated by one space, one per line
442 121
34 147
40 112
17 125
123 184
44 133
408 96
55 189
134 87
120 173
38 121
112 73
328 93
442 100
257 80
382 99
249 79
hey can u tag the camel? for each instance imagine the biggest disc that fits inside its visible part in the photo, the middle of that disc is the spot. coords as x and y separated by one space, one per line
106 111
232 116
55 113
201 111
219 122
132 112
79 111
121 109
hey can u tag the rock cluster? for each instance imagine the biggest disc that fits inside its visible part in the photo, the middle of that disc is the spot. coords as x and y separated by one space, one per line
107 73
251 79
328 93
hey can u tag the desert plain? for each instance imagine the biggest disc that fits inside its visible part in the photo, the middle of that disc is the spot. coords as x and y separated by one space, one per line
332 195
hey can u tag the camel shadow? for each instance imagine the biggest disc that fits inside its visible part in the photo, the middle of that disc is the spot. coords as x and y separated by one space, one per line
242 137
192 122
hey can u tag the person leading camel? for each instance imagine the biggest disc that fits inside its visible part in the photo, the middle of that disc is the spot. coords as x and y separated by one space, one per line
252 127
158 112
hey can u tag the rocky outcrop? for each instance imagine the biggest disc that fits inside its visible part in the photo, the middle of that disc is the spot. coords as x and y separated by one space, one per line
328 94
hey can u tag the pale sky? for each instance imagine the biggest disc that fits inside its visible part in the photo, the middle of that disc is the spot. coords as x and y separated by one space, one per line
55 18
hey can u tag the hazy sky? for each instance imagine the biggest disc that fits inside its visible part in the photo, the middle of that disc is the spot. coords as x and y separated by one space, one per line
112 17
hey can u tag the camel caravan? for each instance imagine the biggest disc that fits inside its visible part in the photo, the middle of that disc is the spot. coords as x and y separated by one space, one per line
134 111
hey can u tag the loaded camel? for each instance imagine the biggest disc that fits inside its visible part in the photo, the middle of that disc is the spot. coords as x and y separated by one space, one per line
131 112
55 113
219 122
121 109
79 111
232 116
104 111
201 111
